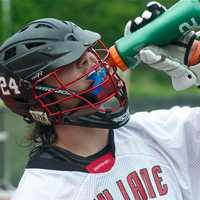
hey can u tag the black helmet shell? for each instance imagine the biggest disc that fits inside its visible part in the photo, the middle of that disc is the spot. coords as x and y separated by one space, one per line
44 45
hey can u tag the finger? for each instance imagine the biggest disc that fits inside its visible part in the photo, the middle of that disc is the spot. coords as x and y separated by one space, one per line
149 57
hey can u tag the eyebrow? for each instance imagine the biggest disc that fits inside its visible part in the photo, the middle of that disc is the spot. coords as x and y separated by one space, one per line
84 56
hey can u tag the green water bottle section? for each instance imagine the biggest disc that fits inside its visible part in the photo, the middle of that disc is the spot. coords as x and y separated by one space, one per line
170 26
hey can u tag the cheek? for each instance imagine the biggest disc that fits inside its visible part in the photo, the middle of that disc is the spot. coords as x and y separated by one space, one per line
80 85
69 76
75 101
69 103
66 76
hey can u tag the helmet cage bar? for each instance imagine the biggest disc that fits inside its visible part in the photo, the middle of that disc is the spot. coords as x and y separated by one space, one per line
104 61
62 85
64 91
90 105
70 94
94 67
110 81
76 95
104 48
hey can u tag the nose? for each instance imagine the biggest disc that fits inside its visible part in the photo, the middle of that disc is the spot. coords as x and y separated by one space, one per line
93 59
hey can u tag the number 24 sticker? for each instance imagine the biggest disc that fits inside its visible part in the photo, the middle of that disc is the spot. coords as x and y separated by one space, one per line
7 88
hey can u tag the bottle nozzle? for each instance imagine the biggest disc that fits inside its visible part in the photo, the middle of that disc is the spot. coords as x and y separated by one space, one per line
115 59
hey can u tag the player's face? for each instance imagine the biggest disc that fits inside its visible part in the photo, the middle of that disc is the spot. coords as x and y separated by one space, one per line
70 73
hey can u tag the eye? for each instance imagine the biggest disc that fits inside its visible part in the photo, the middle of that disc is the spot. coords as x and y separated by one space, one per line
87 60
84 62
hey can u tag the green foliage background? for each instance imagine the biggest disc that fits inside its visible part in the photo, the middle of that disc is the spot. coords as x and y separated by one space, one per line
108 17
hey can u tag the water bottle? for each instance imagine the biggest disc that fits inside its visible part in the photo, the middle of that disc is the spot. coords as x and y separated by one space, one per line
168 27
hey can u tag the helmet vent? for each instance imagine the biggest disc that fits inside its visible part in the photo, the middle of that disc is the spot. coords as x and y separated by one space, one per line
34 44
65 22
43 26
71 38
10 53
23 29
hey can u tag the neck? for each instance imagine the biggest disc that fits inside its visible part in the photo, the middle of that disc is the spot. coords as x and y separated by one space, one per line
82 141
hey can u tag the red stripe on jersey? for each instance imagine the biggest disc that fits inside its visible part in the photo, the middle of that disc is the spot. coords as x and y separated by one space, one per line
101 164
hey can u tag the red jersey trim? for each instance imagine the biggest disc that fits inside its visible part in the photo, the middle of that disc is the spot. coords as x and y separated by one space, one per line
101 164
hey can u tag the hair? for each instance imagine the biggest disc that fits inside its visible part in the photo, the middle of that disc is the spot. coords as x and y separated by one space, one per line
41 136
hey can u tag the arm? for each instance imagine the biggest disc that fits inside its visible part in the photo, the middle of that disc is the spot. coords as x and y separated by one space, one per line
172 59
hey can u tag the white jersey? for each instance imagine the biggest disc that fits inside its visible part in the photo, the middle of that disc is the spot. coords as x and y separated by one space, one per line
156 156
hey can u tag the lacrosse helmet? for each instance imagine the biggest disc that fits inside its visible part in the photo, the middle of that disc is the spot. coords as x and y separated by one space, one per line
40 51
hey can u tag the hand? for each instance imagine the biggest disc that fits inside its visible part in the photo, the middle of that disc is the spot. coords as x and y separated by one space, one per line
171 59
181 48
153 10
158 58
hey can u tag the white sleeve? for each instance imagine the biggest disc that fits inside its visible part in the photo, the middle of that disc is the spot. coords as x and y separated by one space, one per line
176 129
183 126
